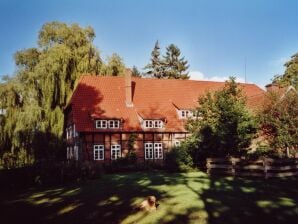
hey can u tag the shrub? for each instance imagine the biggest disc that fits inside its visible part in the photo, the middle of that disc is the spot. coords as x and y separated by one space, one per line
48 174
179 159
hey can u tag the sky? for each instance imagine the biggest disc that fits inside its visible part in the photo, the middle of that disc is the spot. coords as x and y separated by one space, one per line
220 38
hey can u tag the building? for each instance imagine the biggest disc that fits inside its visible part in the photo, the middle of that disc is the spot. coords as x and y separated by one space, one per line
105 111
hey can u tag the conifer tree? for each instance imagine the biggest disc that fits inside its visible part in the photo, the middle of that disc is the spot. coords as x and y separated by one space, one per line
135 72
175 67
155 67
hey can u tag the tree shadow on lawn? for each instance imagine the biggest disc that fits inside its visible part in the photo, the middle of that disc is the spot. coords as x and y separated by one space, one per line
184 198
251 200
108 200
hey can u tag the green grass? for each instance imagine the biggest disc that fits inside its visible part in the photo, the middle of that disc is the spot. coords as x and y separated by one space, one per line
184 198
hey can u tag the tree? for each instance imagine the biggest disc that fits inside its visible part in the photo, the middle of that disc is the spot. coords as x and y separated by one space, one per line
135 72
290 76
174 66
155 67
35 96
224 126
279 121
114 66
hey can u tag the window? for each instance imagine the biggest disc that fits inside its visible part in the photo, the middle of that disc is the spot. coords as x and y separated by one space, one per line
98 152
72 152
101 124
158 124
183 114
69 132
148 150
115 152
177 143
69 153
153 150
75 133
153 124
76 152
114 124
158 151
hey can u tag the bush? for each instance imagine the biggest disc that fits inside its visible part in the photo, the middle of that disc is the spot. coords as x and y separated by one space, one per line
179 159
49 174
129 164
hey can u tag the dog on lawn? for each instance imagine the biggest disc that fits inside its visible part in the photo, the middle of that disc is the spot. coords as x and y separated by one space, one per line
150 204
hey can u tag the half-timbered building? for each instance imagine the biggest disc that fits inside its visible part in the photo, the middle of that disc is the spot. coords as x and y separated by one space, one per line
105 111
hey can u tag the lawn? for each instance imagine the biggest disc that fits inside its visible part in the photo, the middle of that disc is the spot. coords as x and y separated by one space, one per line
184 198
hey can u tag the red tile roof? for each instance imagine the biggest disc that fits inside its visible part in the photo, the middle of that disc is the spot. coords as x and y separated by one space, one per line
98 97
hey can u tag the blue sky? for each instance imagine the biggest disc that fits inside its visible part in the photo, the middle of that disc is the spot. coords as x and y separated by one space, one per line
216 37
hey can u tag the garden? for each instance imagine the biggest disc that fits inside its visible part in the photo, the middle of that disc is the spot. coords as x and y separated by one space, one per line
192 197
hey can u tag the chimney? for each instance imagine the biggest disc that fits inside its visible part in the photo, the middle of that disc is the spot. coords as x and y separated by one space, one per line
272 87
128 88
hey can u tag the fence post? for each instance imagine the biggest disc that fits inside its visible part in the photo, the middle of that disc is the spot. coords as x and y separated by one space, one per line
233 166
265 168
208 166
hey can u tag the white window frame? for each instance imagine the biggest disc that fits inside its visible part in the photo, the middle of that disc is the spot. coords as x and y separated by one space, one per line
153 150
67 153
153 124
69 132
117 149
184 114
75 133
76 152
97 150
101 124
114 124
177 143
70 153
104 124
148 124
158 150
158 124
148 148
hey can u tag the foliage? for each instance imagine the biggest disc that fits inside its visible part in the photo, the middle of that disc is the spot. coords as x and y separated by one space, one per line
155 67
135 72
179 159
261 151
35 96
114 66
171 66
49 174
175 67
279 119
290 76
223 127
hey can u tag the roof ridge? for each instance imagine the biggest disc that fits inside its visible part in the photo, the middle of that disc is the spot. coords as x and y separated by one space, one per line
163 80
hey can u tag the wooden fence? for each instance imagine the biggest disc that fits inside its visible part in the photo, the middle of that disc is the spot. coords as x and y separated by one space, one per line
259 168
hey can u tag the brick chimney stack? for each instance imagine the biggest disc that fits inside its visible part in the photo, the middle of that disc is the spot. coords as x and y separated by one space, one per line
128 88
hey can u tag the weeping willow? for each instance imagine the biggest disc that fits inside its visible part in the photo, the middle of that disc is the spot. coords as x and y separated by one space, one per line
34 97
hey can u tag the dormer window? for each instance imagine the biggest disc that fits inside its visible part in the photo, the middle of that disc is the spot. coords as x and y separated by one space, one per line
104 124
114 124
153 124
184 114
